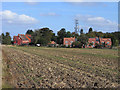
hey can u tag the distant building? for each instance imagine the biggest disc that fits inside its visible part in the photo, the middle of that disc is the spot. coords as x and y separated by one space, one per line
106 42
52 43
22 39
68 41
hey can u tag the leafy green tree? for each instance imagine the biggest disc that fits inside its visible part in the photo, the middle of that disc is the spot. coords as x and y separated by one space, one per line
54 38
83 39
81 31
76 44
98 45
61 34
42 36
90 44
75 35
6 39
2 38
90 30
68 34
116 42
29 32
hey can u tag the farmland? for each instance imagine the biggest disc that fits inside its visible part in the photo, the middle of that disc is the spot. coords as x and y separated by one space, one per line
43 67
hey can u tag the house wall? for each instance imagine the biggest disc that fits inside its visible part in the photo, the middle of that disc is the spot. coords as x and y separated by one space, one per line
19 41
102 40
68 41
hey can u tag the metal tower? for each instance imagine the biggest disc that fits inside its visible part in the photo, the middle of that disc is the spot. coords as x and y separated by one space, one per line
76 26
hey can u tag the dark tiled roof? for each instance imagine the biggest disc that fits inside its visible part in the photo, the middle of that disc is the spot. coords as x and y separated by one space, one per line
23 37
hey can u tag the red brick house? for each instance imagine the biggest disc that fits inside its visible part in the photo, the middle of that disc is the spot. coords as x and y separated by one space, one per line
22 39
100 41
52 43
68 41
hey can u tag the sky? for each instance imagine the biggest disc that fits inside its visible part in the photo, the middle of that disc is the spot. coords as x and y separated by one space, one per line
18 17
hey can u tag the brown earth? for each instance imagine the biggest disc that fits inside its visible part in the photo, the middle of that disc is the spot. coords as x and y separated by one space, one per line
38 67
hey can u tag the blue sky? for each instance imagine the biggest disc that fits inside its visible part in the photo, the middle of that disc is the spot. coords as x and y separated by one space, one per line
18 17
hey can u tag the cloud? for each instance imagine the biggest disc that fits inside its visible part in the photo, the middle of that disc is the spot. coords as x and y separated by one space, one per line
49 14
99 23
9 17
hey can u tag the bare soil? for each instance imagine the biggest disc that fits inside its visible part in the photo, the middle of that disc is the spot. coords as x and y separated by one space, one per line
40 67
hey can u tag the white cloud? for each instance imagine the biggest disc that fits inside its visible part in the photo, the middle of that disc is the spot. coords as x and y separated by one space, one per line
9 17
49 14
99 23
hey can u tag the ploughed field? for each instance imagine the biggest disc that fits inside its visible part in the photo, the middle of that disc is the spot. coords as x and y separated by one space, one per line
40 67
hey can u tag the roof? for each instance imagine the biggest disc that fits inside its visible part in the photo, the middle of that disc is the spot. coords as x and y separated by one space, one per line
15 37
23 37
52 42
102 39
92 39
70 39
106 39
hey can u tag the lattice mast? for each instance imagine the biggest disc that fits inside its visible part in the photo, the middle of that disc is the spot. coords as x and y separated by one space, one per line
76 26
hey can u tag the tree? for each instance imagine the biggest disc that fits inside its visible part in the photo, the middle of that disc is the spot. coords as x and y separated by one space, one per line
98 45
7 34
83 39
90 44
42 36
6 39
75 35
81 31
68 34
2 38
61 34
116 42
76 44
90 30
29 32
54 38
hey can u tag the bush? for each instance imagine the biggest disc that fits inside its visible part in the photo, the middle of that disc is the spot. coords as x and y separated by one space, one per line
98 45
76 44
68 46
90 44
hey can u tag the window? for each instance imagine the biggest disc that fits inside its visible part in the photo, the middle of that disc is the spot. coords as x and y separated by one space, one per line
66 45
66 41
108 42
71 41
97 39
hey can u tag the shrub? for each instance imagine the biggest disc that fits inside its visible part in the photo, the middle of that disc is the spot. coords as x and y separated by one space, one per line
68 46
90 44
98 45
76 44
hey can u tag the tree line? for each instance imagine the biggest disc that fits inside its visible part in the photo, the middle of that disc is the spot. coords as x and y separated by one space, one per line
44 35
5 38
